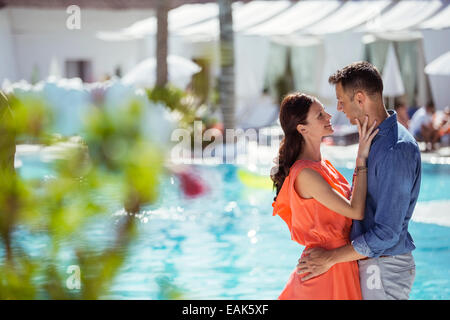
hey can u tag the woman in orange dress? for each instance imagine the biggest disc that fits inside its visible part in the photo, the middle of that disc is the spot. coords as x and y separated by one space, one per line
315 200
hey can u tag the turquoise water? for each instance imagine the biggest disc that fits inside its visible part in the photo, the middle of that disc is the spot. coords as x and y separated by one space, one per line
227 244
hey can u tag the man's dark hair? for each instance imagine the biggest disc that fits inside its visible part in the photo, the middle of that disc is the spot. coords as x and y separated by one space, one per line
360 75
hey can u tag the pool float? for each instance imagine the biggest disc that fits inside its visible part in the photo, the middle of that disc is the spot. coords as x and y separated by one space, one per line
254 180
191 184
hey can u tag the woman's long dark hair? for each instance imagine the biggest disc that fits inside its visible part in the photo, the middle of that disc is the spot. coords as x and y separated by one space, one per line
293 111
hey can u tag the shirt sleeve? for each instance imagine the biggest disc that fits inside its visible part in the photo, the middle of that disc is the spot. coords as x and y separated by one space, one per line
395 177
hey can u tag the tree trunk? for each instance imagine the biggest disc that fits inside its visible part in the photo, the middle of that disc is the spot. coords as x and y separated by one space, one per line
226 79
162 35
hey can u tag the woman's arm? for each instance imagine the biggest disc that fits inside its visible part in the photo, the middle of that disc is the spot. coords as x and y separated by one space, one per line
310 184
316 187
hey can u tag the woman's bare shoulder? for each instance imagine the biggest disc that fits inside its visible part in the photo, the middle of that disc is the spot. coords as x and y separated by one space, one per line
307 178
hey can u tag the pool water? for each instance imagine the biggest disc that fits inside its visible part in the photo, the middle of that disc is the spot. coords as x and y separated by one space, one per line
227 245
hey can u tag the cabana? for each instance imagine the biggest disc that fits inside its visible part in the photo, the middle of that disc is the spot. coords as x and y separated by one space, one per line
401 30
250 50
363 30
341 45
290 52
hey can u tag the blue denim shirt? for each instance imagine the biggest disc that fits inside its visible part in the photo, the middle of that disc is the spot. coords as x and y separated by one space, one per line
393 182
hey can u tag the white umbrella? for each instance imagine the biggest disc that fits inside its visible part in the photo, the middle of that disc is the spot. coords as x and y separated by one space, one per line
392 78
439 66
180 71
439 75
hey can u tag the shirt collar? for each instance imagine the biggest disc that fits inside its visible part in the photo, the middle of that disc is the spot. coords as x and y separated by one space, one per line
387 123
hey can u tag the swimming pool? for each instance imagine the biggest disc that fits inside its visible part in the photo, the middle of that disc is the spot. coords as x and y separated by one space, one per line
227 244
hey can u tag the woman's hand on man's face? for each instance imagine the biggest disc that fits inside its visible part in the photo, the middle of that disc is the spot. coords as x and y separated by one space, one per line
366 136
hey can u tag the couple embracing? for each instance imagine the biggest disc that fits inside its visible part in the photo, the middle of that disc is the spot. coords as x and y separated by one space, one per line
356 237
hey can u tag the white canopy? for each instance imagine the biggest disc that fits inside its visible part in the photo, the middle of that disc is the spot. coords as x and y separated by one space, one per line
439 21
180 17
296 40
268 18
299 16
404 15
439 66
244 17
348 16
392 36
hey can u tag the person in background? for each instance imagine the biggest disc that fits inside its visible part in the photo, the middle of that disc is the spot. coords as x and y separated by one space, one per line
421 126
412 110
402 113
444 127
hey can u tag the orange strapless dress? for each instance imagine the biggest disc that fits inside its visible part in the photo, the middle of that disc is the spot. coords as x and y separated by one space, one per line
313 225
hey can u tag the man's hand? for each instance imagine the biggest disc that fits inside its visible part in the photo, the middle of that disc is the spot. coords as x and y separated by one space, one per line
315 262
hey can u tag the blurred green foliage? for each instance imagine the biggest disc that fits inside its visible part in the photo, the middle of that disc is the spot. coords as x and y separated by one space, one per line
177 101
114 155
201 81
189 107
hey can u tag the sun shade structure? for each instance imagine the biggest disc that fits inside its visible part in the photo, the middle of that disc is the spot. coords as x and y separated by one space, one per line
244 16
439 66
97 4
299 16
404 15
438 21
350 15
178 18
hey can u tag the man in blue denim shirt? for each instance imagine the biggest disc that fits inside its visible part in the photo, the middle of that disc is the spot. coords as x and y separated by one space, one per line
393 187
380 242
